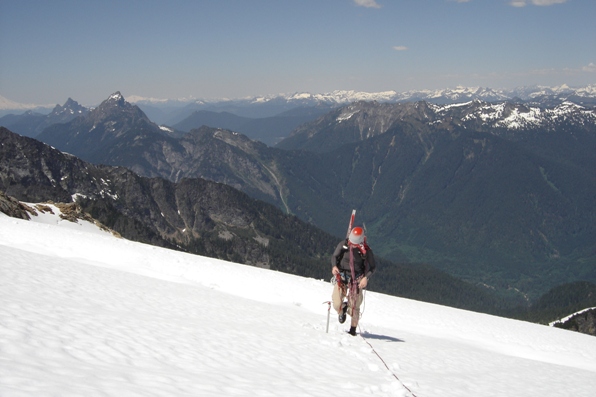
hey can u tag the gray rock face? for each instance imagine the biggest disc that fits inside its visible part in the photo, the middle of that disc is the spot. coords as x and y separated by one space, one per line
13 207
119 133
194 214
71 212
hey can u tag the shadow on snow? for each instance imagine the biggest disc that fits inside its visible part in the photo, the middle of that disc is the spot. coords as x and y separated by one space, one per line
367 335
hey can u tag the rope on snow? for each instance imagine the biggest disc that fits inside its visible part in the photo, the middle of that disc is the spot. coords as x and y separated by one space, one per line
385 364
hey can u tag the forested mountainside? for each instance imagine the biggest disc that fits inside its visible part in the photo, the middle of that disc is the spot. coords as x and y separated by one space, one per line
207 218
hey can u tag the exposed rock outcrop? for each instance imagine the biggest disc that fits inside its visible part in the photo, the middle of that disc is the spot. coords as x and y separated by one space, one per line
584 322
14 208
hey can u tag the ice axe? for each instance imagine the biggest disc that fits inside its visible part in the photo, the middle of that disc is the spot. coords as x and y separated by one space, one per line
328 314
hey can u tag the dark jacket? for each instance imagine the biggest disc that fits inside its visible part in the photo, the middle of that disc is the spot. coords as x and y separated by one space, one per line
363 264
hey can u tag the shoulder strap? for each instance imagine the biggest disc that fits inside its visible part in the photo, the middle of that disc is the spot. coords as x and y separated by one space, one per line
343 251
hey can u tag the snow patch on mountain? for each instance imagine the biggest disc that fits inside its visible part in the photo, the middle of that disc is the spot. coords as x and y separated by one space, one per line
443 96
346 115
341 97
512 116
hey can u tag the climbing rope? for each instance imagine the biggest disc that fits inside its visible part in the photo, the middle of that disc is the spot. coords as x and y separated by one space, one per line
384 363
363 338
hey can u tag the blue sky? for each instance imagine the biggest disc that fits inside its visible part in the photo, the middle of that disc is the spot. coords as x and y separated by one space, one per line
52 50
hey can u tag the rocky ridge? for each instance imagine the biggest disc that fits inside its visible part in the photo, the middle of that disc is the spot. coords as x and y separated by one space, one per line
196 215
32 124
71 212
362 120
584 322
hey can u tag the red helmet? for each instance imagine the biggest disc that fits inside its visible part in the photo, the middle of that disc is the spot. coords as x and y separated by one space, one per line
357 235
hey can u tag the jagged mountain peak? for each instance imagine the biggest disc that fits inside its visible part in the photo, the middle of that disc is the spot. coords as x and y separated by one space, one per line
115 106
116 98
70 107
113 120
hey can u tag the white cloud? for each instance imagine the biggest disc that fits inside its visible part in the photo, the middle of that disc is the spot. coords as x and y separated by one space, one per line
590 68
400 48
367 3
548 2
523 3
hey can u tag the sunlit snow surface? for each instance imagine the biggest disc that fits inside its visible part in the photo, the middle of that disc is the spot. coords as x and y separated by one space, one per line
83 313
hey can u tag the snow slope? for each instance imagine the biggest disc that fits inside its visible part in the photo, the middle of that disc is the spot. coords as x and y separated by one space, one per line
83 313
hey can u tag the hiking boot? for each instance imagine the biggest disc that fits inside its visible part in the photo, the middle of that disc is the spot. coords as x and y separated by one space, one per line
342 314
352 331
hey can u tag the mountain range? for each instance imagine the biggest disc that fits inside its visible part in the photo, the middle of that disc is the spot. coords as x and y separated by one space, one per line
499 194
172 111
201 217
271 118
440 96
475 189
196 215
32 123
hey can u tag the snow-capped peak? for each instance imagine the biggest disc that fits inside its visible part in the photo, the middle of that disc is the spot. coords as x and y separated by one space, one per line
516 116
117 96
457 94
116 99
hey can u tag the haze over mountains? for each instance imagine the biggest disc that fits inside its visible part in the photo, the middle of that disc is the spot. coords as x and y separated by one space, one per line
270 118
171 111
33 123
497 193
545 95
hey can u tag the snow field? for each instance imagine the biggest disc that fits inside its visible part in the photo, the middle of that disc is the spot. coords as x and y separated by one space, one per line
85 313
